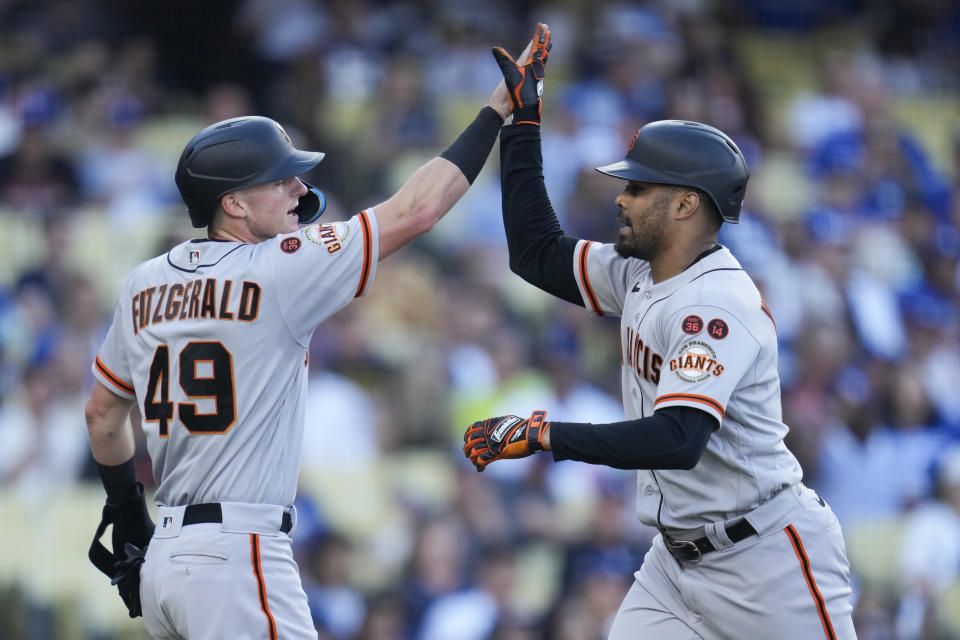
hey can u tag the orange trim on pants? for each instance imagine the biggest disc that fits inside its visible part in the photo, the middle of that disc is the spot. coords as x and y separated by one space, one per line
261 588
811 583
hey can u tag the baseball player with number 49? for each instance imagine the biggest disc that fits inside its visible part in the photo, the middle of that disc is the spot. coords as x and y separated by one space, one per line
744 550
209 346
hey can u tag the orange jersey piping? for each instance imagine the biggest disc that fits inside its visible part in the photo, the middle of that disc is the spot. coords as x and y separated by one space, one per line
120 384
591 296
691 397
367 244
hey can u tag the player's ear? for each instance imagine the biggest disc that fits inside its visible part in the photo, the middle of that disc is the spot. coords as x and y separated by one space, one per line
233 205
688 204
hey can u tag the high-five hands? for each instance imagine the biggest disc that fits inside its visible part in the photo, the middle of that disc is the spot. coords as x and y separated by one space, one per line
525 80
504 437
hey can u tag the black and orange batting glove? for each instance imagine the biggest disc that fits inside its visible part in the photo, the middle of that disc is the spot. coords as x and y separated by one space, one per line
525 83
504 437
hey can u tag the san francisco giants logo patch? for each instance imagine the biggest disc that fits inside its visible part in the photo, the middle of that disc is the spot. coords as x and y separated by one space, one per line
696 362
290 245
718 329
330 236
692 325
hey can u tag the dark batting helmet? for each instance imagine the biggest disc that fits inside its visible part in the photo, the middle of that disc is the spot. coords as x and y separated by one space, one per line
687 154
238 153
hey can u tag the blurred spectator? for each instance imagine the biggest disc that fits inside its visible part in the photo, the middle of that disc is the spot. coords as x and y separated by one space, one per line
436 566
43 443
340 426
822 353
32 330
38 176
280 32
465 32
879 463
225 100
873 616
930 554
604 548
385 619
337 608
82 327
814 116
888 163
403 124
483 509
51 269
598 569
475 612
118 173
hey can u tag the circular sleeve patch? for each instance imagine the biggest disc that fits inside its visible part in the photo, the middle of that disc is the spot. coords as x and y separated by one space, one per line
290 245
692 325
717 329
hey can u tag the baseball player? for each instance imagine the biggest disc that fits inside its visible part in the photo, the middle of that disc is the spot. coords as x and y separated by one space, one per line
744 547
208 347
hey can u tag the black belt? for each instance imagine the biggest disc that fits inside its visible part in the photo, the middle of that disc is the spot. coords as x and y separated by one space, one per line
692 550
211 512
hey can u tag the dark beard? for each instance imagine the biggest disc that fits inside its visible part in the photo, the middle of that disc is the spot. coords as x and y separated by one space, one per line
644 245
648 243
644 250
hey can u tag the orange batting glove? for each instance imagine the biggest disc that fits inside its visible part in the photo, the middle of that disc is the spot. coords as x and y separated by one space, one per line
504 437
525 82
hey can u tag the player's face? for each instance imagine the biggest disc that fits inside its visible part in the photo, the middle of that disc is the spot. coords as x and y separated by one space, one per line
270 207
643 214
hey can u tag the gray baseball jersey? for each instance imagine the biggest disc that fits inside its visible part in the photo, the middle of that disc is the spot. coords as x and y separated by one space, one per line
212 340
704 339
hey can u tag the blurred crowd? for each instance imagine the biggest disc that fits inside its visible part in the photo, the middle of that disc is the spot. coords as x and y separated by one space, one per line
849 115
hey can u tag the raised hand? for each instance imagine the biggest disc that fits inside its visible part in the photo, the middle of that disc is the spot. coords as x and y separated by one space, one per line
523 80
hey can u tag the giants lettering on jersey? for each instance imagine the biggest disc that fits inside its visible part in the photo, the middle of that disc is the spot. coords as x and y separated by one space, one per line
195 299
327 235
696 362
640 358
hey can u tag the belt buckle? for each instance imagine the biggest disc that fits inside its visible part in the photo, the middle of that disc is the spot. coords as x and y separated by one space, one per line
683 549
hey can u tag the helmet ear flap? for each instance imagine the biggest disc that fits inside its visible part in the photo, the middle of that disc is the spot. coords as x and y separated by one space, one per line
198 216
311 204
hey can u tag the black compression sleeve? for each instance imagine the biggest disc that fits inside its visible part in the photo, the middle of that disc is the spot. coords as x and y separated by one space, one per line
120 481
540 253
672 438
470 150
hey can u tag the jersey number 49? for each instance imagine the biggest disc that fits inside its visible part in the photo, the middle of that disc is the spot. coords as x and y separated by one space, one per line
214 382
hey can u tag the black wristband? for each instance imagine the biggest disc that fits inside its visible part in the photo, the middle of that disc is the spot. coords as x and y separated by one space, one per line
470 150
529 114
120 481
